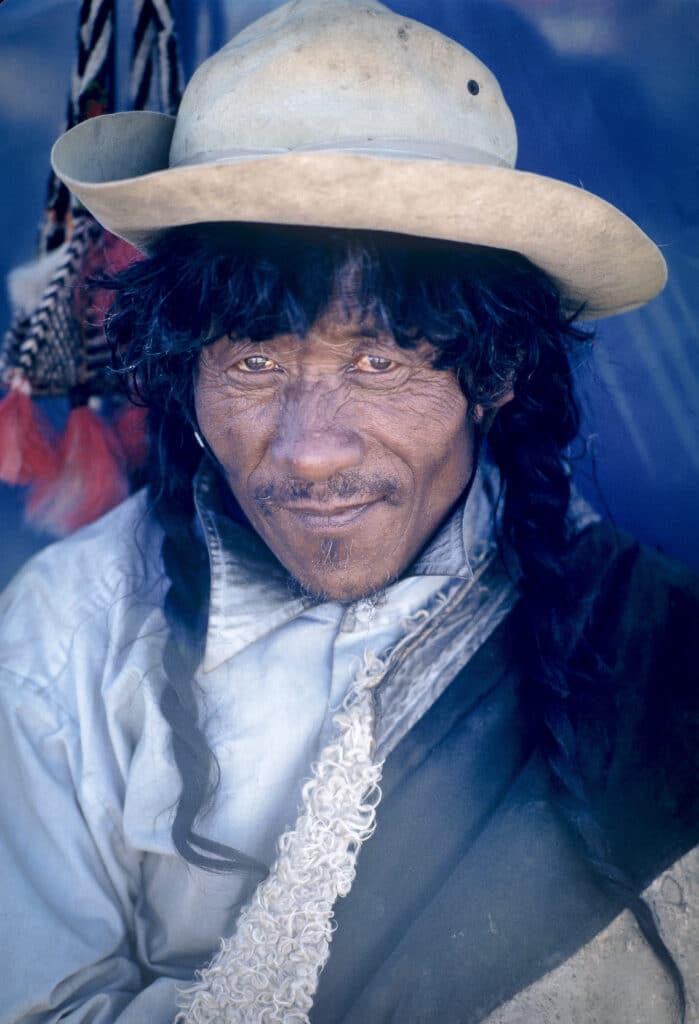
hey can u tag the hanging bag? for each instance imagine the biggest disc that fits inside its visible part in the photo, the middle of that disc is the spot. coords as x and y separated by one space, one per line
55 345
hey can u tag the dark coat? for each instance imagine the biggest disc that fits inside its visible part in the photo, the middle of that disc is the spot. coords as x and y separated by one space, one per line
473 887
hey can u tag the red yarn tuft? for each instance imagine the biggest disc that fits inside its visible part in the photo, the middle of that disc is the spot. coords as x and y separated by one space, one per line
131 428
27 446
91 479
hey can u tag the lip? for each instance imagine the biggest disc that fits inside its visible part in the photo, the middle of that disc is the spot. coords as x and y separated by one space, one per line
323 517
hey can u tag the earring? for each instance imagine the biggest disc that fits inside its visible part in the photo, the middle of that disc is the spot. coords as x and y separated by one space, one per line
199 439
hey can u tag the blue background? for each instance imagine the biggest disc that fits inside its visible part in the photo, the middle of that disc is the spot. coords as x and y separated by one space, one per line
605 95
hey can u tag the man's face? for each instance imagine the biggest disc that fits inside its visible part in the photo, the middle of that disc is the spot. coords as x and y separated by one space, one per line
344 450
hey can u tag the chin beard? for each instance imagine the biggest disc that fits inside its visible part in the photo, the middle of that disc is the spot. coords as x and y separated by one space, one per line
332 561
317 594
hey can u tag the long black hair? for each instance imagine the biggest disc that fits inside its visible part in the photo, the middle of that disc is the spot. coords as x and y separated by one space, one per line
492 317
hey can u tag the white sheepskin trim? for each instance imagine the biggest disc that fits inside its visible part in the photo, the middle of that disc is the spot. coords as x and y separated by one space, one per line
27 283
267 972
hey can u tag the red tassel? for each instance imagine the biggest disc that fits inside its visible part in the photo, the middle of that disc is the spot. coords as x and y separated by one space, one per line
27 448
131 429
91 479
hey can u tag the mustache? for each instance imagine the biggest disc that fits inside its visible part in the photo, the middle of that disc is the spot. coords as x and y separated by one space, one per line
345 486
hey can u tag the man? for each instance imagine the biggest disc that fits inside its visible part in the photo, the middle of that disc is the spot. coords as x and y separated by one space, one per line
357 563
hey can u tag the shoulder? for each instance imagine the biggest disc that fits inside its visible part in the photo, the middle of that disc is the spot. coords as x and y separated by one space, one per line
640 658
85 570
641 611
71 599
607 556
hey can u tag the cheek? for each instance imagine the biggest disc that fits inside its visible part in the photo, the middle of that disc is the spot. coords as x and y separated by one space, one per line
452 436
442 443
448 471
235 427
434 433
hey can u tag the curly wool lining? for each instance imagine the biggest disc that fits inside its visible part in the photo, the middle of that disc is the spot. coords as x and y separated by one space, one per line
268 971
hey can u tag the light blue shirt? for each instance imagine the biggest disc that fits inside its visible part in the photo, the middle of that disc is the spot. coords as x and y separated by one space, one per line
100 918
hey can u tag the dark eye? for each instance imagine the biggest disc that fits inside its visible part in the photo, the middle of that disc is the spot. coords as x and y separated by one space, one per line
256 364
374 364
473 87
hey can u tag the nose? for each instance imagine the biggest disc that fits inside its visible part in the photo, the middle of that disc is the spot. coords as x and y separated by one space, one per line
315 437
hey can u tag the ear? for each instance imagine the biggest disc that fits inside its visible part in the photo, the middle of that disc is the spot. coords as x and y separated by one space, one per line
485 415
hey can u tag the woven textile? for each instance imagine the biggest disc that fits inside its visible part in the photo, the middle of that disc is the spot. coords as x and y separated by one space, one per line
48 346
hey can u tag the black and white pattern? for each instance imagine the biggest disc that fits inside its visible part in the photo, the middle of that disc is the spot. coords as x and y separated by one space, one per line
94 69
154 40
47 346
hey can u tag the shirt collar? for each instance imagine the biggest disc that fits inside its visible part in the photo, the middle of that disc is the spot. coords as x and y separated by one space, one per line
250 592
467 535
